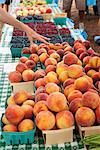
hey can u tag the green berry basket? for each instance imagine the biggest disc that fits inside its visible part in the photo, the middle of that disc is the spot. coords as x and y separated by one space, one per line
16 138
25 55
60 21
16 52
49 1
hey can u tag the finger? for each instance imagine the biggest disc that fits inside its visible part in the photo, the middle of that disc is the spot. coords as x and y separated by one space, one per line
45 38
42 40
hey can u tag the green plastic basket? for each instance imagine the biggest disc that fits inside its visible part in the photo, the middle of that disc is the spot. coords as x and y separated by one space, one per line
28 21
25 55
49 1
16 52
12 138
60 20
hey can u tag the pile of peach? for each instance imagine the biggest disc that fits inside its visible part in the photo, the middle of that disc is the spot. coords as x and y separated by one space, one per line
18 116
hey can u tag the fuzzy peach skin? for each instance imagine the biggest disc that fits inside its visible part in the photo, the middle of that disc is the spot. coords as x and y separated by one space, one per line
14 114
50 68
52 87
94 62
40 51
23 59
41 96
29 102
75 104
43 57
68 82
28 75
97 112
39 82
68 89
4 120
10 128
50 61
28 111
89 79
60 64
39 106
70 59
15 76
45 120
80 50
55 56
20 97
85 117
82 84
26 125
40 89
61 68
34 48
91 99
34 57
51 78
86 59
74 94
10 101
63 76
21 67
91 73
64 119
68 48
57 102
75 71
39 74
51 73
30 64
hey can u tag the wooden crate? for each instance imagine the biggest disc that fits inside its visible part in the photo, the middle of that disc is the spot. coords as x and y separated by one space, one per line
58 136
27 86
87 131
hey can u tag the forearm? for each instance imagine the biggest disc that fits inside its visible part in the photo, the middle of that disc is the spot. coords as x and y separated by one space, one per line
8 19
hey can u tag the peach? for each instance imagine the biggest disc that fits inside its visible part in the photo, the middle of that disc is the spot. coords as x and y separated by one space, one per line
88 78
75 104
50 68
68 89
50 61
40 89
68 82
39 106
91 73
78 45
45 120
82 84
68 48
41 96
40 51
74 94
87 68
15 76
20 97
26 125
97 112
83 55
39 74
34 57
30 64
51 51
63 76
60 63
55 56
57 102
86 59
26 50
80 50
21 67
14 114
60 52
28 111
51 73
61 68
10 101
51 78
28 75
79 62
86 44
85 117
43 46
29 102
75 71
70 59
10 128
43 57
34 48
4 120
91 99
23 59
52 87
96 76
92 90
94 62
64 119
39 82
30 96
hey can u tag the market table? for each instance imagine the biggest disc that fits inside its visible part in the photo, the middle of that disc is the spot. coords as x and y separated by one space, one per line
5 92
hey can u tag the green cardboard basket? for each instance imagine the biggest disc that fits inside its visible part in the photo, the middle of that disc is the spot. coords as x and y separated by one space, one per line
49 1
25 55
60 20
16 52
